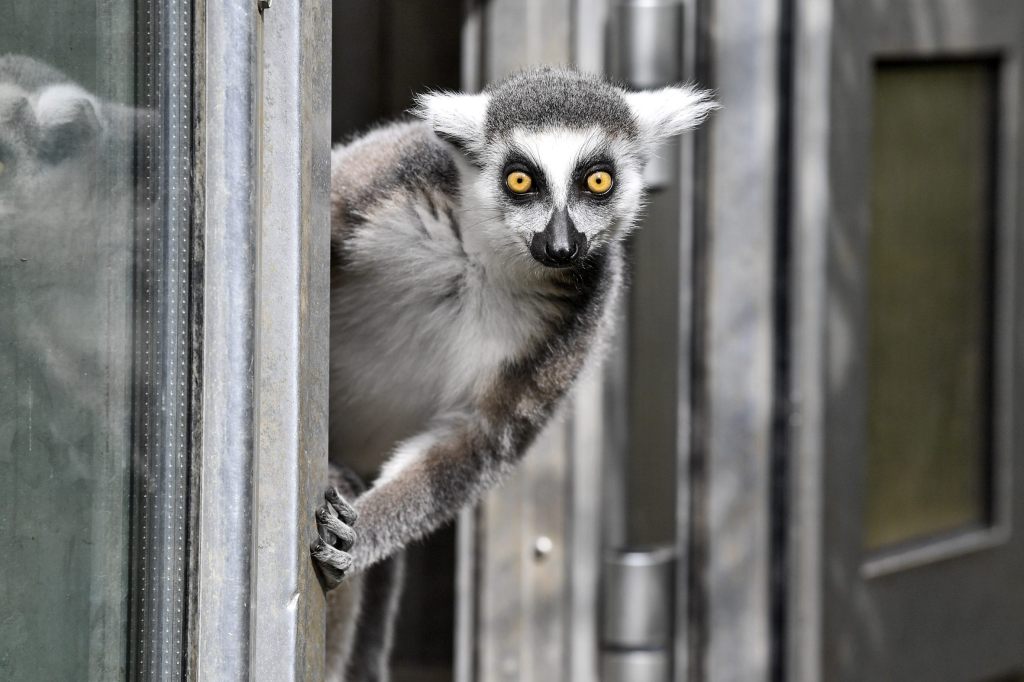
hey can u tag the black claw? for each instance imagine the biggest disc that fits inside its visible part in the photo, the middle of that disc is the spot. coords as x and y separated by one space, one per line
332 576
330 557
335 538
346 537
345 511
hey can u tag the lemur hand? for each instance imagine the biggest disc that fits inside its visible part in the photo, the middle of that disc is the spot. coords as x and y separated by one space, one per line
334 522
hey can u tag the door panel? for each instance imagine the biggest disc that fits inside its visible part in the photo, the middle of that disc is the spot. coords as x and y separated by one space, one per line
922 560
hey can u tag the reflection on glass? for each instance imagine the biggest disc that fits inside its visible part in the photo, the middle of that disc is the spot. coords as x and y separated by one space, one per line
65 367
930 299
91 343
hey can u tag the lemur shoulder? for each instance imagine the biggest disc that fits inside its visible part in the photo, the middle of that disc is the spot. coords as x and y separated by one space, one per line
476 257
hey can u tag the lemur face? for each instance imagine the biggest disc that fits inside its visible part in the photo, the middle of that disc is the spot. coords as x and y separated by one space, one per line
558 156
563 191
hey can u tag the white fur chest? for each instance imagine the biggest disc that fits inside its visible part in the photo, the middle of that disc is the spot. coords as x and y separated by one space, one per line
420 329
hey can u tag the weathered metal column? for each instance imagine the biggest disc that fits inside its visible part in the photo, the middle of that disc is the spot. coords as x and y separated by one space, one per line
639 568
226 169
262 157
293 320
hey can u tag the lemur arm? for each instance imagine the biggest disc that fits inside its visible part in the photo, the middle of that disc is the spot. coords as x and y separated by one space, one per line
453 464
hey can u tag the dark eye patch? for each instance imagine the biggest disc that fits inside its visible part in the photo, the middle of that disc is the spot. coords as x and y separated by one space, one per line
599 161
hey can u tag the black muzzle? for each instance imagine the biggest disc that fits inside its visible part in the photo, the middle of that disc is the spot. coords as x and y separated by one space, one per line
560 244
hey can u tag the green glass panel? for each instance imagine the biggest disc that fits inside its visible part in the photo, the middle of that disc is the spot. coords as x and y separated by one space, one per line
930 299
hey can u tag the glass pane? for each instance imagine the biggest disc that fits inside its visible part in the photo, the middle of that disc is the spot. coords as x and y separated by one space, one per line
94 216
930 299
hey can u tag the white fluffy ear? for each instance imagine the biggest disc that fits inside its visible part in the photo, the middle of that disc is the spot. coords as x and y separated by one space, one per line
456 117
663 113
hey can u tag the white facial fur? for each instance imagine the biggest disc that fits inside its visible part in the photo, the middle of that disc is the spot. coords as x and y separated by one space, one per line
561 158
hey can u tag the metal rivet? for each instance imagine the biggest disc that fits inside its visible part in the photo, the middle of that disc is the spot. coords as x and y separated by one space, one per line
543 546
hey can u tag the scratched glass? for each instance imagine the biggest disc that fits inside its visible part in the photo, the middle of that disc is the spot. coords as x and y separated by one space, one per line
93 344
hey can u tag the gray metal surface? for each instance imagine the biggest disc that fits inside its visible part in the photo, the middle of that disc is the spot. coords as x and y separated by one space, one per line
812 195
647 32
647 52
692 203
648 376
736 330
637 589
636 666
226 172
293 314
855 616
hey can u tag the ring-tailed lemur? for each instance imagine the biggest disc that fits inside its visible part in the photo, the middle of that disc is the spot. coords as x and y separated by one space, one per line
475 259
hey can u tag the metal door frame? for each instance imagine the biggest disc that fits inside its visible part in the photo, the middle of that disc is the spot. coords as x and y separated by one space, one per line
261 159
837 43
734 327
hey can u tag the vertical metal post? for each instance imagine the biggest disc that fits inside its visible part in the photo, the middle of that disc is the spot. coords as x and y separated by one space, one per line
647 46
226 173
813 68
292 322
639 584
737 355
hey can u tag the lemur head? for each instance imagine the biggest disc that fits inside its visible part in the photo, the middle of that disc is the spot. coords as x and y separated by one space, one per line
50 134
558 155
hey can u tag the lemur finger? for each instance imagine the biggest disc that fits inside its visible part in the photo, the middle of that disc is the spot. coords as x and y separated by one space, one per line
334 525
333 562
345 511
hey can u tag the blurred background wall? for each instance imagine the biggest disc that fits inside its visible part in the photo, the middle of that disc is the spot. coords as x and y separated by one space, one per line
813 403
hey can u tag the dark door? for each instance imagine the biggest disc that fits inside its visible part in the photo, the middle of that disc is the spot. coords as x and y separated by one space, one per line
921 447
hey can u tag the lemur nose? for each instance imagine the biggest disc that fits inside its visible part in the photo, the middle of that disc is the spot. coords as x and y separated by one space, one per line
560 244
561 252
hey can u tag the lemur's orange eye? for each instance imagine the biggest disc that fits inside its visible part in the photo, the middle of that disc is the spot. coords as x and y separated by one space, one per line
599 182
519 182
